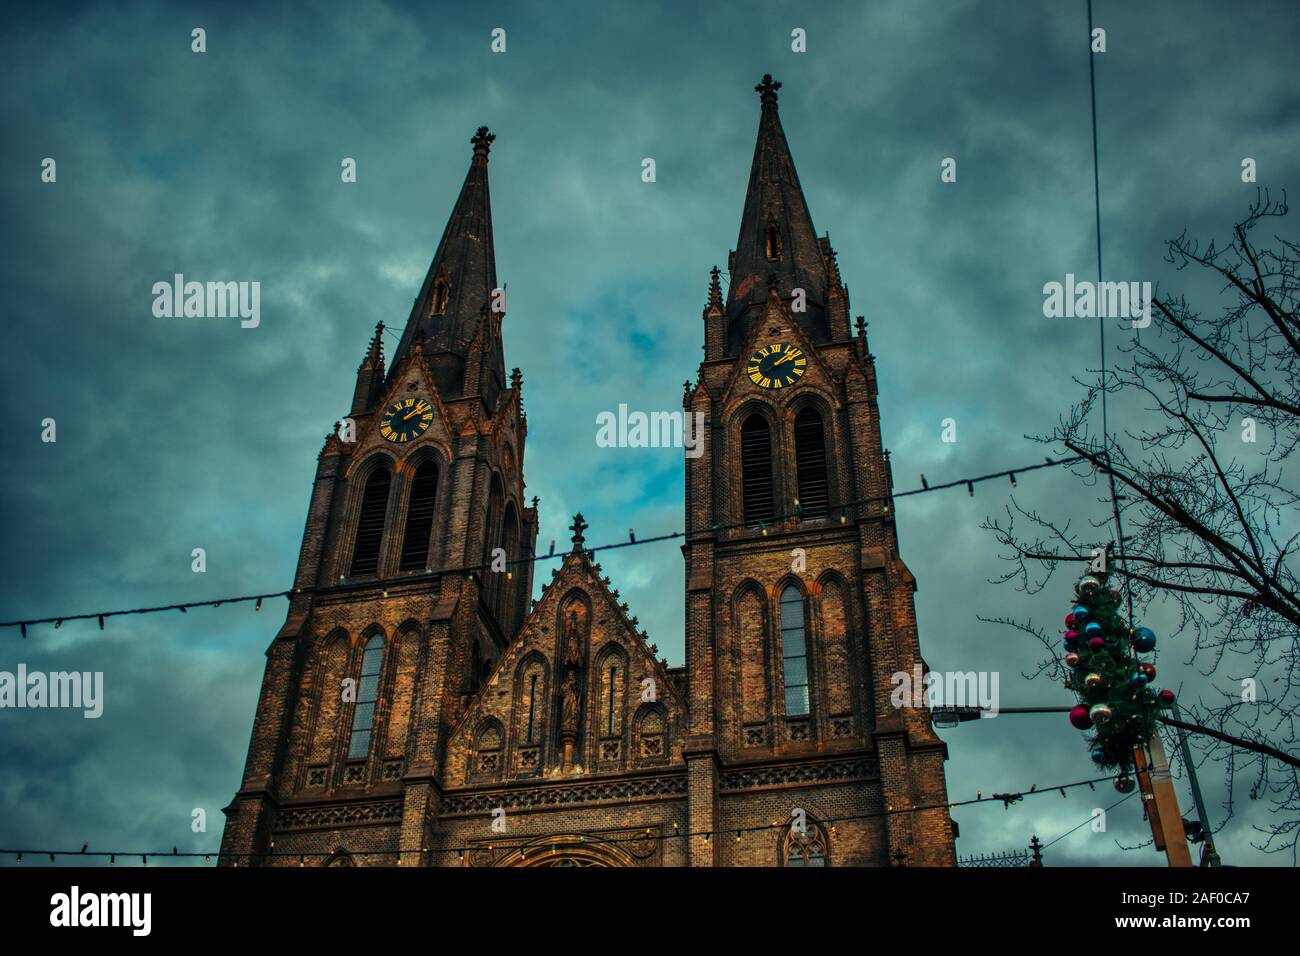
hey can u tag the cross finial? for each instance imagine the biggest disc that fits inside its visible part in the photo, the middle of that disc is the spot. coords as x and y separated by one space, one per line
482 141
578 526
767 89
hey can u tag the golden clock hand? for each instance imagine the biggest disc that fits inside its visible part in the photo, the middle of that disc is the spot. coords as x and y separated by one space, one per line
783 359
413 411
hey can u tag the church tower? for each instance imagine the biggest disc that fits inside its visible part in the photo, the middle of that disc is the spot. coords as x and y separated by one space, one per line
798 606
414 574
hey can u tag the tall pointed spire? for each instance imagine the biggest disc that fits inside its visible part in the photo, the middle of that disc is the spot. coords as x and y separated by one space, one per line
459 283
776 234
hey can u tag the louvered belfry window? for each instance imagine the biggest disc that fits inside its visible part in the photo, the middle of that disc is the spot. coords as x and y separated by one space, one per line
370 524
419 518
810 463
756 469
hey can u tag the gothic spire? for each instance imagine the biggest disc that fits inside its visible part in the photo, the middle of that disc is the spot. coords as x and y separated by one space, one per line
776 233
460 281
715 294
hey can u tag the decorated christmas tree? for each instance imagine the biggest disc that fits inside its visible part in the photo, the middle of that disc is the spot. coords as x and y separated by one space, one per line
1116 700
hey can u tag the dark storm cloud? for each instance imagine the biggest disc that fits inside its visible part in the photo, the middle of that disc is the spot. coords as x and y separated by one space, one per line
177 434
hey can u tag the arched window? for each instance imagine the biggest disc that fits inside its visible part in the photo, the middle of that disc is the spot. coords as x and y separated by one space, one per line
806 847
505 588
439 303
363 717
773 242
487 749
810 463
756 469
370 523
794 652
419 518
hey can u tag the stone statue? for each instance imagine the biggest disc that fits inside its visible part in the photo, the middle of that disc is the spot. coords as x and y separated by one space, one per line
573 642
569 705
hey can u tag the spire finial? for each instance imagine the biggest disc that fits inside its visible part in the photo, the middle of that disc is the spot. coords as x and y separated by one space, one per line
578 526
482 141
767 90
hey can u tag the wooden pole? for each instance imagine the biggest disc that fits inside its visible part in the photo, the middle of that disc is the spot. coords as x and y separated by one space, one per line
1161 802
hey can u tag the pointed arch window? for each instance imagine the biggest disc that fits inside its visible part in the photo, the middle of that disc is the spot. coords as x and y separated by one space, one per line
363 716
794 652
419 518
806 848
439 304
810 463
756 469
772 241
370 523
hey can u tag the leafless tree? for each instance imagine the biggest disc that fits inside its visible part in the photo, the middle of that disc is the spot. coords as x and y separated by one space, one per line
1210 519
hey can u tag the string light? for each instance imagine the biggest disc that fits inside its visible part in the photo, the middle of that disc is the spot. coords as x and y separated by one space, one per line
832 825
884 500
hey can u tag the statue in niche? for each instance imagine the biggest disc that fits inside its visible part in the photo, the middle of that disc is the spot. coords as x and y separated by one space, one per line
569 706
573 634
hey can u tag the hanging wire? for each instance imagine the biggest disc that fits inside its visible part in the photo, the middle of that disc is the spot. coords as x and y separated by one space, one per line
534 558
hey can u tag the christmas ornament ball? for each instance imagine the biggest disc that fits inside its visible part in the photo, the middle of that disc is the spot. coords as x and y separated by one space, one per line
1098 755
1096 643
1124 783
1137 679
1092 680
1071 637
1100 714
1079 718
1166 696
1144 639
1072 659
1087 585
1080 613
1148 671
1092 629
1069 620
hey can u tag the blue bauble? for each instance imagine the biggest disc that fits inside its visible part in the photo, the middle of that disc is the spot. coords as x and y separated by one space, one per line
1081 613
1092 629
1144 639
1138 678
1098 755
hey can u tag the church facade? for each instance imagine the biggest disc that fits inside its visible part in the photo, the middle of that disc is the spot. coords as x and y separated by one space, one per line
419 708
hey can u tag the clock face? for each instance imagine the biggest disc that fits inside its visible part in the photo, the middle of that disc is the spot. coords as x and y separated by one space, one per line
406 420
777 366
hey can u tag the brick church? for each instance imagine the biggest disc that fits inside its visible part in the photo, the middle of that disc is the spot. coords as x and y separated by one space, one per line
419 708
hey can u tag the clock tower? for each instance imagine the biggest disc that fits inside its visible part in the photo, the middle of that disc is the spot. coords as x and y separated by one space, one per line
798 606
388 635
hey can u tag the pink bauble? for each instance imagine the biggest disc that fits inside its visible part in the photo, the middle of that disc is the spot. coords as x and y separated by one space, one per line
1072 659
1079 718
1096 643
1166 696
1069 620
1071 636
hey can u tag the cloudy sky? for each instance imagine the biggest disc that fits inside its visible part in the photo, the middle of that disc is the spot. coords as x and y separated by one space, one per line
181 434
